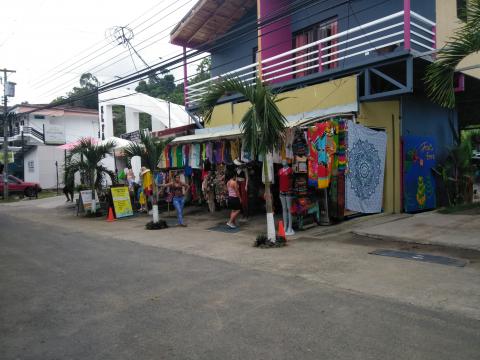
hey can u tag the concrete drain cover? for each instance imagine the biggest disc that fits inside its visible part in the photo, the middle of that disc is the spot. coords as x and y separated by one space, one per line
442 260
224 228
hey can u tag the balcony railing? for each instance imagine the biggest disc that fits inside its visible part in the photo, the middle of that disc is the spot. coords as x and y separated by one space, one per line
376 38
28 130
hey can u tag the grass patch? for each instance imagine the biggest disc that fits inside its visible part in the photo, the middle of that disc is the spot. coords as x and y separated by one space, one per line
471 208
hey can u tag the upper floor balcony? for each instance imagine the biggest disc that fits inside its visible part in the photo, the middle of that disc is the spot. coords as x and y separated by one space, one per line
323 49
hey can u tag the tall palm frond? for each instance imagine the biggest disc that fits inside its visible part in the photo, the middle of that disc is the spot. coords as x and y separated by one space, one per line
150 149
263 125
439 77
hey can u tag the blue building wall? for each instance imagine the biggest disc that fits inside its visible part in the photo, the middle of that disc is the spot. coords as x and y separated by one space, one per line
239 51
421 117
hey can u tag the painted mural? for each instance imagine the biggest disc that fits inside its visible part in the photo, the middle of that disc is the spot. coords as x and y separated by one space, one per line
419 183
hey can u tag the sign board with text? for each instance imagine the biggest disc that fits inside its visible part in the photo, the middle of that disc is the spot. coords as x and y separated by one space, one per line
121 202
54 134
86 200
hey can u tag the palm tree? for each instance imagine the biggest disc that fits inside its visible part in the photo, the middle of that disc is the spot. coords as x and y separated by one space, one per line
86 158
262 126
439 77
150 149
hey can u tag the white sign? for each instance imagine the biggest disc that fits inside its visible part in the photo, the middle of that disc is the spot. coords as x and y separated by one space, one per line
54 134
86 198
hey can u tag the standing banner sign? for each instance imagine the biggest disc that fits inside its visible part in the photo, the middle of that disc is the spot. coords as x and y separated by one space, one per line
121 202
86 200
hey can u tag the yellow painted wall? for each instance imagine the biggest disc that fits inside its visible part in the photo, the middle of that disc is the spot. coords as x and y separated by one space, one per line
320 96
447 22
386 115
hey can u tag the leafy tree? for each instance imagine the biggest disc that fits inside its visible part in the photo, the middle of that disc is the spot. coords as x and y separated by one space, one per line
439 76
262 126
150 149
164 87
84 96
85 158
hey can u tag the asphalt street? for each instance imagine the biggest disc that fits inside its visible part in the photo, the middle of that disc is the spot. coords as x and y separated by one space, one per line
68 295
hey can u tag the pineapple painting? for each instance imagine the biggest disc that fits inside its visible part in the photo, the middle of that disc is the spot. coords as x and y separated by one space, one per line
421 195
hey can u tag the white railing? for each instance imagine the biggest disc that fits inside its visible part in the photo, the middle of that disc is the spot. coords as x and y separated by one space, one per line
374 38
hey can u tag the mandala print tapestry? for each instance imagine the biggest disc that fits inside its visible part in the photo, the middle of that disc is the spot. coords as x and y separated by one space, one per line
366 169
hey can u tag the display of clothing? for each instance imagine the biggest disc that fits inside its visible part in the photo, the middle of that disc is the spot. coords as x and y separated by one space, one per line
315 152
366 169
179 156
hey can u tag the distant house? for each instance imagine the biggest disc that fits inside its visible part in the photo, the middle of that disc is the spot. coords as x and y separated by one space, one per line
36 133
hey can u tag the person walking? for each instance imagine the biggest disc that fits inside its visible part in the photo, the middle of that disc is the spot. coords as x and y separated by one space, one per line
233 201
179 188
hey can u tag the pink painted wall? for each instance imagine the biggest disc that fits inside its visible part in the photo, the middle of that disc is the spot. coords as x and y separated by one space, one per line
276 37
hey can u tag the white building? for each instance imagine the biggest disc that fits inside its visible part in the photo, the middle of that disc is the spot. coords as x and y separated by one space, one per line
42 131
164 115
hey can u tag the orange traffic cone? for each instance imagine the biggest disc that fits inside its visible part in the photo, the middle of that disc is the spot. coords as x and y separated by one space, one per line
281 230
110 217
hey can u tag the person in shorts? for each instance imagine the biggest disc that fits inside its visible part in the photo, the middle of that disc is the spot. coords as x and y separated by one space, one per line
233 201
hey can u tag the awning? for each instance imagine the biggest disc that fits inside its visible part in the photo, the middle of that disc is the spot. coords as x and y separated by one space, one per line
119 142
71 145
225 134
234 133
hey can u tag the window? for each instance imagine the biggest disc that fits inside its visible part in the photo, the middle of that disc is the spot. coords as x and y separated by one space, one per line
39 117
462 10
310 35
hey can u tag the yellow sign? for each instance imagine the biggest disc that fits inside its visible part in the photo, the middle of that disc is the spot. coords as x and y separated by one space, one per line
11 158
121 202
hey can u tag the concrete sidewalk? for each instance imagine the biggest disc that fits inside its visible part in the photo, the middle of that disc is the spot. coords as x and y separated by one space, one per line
452 230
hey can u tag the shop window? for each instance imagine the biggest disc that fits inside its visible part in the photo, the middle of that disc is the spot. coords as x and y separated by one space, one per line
462 10
310 35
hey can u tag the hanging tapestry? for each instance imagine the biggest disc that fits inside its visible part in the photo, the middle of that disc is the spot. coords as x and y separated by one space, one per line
419 183
366 169
235 149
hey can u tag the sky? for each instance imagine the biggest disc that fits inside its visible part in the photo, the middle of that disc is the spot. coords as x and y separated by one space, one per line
50 43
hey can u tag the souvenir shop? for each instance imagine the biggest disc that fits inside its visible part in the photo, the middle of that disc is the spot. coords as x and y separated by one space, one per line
326 169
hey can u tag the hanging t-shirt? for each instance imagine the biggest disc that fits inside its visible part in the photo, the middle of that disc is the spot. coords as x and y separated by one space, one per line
179 156
285 176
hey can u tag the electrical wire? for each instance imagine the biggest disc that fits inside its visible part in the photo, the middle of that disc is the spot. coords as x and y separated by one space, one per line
45 75
271 18
144 74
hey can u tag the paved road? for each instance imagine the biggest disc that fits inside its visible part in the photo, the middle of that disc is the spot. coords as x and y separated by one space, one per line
66 295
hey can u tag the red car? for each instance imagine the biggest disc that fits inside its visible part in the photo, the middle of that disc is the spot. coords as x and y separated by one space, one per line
20 187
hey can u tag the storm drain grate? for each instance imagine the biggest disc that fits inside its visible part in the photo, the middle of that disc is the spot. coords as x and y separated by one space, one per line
442 260
224 228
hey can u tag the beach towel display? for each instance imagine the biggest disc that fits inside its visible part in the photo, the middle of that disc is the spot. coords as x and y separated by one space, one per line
366 169
315 146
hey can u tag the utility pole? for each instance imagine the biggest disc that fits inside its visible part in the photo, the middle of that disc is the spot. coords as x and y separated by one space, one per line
7 91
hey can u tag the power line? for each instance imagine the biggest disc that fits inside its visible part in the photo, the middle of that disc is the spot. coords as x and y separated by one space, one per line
45 75
91 69
269 19
144 74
